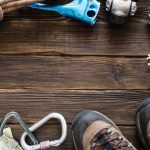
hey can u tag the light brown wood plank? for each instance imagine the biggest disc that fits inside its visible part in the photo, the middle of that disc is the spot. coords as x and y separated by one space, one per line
73 72
119 105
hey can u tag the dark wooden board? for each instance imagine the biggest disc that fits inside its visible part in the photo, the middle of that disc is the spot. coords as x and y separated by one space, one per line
58 36
71 38
33 105
49 63
56 72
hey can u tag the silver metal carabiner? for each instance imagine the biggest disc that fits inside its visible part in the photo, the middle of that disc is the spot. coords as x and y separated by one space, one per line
22 123
46 144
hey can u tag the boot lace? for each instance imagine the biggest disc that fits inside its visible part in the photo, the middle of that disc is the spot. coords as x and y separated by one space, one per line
107 140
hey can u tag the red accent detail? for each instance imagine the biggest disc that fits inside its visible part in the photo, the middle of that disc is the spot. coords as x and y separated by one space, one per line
45 145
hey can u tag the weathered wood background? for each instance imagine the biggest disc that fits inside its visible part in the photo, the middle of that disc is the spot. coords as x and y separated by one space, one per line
48 63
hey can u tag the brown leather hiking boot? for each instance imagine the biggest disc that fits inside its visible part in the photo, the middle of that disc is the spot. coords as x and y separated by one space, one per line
94 131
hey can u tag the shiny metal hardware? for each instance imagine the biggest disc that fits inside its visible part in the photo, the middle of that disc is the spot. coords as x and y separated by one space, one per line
148 59
83 10
22 123
120 10
46 144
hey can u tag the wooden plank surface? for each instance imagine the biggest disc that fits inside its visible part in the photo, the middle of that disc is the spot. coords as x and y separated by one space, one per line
61 38
56 36
74 72
48 63
120 105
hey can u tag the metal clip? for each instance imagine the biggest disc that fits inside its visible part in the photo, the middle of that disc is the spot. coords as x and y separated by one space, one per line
46 144
83 10
22 123
120 10
148 59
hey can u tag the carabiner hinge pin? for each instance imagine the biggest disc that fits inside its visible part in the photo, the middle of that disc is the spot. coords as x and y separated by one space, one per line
45 145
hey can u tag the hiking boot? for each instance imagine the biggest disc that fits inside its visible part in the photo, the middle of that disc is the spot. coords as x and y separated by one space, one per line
143 123
92 130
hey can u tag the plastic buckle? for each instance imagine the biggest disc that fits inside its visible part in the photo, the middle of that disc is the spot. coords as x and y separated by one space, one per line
83 10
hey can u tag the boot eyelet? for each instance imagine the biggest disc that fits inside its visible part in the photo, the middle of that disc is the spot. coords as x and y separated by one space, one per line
109 130
92 146
130 145
121 138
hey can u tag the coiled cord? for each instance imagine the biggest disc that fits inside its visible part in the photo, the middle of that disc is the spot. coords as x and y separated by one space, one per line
7 6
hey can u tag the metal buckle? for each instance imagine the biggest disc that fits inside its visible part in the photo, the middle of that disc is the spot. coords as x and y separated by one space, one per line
83 10
120 10
46 144
22 123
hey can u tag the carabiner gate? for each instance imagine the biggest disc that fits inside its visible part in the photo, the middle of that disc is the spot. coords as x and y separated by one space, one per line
22 123
46 144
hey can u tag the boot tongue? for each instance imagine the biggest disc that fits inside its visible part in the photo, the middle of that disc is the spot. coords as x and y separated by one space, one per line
106 140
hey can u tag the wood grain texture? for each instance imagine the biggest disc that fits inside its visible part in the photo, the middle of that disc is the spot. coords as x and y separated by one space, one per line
33 105
49 63
58 36
69 38
73 72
